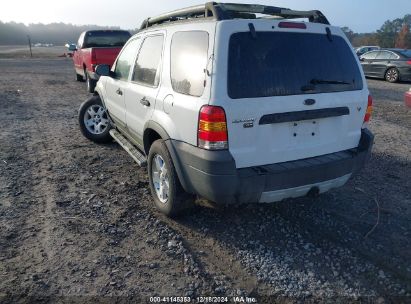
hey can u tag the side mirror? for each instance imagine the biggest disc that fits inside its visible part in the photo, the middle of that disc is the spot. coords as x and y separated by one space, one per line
72 48
362 59
103 70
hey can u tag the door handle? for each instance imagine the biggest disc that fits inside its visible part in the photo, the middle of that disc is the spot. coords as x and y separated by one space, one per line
145 102
119 92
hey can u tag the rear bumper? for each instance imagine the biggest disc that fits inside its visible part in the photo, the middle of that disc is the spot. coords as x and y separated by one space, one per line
213 175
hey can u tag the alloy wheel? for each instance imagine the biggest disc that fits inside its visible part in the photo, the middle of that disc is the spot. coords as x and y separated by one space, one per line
96 119
392 75
161 179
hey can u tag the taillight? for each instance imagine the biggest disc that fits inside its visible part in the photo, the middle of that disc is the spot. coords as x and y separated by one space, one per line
368 112
296 25
409 62
212 128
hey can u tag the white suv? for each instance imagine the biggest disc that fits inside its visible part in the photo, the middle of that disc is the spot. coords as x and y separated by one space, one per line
235 103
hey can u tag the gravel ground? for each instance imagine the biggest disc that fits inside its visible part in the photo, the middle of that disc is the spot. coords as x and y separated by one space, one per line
78 223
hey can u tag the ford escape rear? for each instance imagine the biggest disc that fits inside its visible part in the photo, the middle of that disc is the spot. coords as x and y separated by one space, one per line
236 103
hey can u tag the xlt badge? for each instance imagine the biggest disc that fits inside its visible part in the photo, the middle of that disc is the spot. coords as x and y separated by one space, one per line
247 123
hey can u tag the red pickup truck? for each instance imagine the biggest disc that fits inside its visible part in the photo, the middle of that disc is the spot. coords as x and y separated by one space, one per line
93 48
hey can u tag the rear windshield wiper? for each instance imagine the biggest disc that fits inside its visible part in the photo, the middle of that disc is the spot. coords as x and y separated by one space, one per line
325 81
314 81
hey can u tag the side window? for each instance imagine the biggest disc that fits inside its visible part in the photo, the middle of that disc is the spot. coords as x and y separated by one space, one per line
370 55
147 66
125 60
188 61
80 41
383 55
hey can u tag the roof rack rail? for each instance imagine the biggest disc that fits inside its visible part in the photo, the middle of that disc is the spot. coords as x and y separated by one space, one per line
227 11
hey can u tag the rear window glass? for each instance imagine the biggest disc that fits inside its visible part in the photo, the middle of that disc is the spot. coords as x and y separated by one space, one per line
280 63
105 39
406 53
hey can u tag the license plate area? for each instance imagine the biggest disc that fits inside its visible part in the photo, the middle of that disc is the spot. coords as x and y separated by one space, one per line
304 130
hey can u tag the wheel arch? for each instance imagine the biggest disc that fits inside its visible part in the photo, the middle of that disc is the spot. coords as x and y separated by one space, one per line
154 131
98 94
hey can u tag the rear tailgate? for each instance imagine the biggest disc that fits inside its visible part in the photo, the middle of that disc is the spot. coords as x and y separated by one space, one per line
104 55
273 87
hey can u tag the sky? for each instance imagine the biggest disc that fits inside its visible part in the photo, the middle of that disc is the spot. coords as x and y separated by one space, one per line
360 15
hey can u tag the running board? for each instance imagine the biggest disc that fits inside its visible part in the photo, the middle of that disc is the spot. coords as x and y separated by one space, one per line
140 159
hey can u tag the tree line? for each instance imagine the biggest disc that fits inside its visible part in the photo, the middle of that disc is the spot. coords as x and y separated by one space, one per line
13 33
392 34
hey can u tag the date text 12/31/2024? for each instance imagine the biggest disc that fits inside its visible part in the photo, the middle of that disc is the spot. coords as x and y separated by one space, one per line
236 299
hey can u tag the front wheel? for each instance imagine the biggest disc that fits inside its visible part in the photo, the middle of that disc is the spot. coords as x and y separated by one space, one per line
169 196
94 121
392 75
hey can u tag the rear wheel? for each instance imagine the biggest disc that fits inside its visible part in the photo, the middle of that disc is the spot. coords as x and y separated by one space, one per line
79 77
169 196
91 83
392 75
94 122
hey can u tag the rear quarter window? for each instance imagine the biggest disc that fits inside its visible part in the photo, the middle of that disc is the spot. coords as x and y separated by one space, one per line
188 60
282 63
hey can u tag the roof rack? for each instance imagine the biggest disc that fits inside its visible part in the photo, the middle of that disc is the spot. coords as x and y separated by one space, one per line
227 11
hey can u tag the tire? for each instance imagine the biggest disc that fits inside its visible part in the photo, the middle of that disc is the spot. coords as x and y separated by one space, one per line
91 83
79 78
392 75
162 176
94 121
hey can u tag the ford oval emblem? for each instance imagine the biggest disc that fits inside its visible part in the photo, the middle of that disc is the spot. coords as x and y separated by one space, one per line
309 102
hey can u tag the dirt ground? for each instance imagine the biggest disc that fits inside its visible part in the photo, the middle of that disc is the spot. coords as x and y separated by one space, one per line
19 51
77 221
